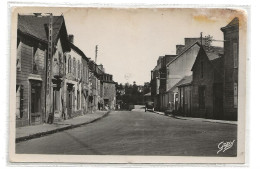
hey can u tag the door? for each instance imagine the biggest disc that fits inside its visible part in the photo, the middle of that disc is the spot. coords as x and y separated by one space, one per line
69 100
35 117
218 101
187 101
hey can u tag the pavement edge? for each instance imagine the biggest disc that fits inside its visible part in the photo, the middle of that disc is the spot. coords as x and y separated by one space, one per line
41 134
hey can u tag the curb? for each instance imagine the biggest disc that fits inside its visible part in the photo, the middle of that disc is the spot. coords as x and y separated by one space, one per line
202 120
37 135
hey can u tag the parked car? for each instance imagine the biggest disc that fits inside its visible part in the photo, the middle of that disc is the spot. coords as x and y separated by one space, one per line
149 106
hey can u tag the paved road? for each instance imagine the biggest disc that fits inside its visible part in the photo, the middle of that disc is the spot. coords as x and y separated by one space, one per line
137 133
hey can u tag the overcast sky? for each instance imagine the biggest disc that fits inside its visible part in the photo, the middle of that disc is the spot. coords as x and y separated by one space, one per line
131 40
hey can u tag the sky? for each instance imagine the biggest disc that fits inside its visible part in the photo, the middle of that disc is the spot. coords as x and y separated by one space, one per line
130 40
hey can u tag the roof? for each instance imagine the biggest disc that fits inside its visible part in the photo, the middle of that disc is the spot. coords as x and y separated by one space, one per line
234 22
157 67
38 26
214 52
214 56
184 50
76 49
172 89
187 80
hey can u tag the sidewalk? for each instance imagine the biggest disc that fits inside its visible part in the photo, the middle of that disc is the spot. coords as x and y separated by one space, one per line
200 119
30 132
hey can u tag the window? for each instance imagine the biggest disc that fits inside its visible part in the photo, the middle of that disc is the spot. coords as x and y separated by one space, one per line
19 101
235 55
56 98
74 67
18 58
34 58
82 72
78 69
202 97
201 69
78 100
69 65
61 69
235 95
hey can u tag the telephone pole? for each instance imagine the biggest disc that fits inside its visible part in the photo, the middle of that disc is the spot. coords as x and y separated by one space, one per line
96 51
201 38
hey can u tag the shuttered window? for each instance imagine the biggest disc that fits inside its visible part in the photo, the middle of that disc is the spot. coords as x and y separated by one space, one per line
235 55
78 69
69 65
74 67
18 58
19 101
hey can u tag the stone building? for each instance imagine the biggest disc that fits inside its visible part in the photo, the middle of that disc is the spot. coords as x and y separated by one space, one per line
85 102
73 83
178 68
185 96
164 100
39 74
30 73
155 84
231 66
207 84
108 91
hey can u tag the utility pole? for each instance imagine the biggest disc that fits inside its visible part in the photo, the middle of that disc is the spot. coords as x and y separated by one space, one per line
201 38
96 53
49 71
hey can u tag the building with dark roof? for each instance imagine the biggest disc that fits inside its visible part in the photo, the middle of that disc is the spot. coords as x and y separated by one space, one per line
39 74
177 69
185 93
207 84
231 67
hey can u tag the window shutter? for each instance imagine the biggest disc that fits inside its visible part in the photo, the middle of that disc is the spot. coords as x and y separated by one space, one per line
235 55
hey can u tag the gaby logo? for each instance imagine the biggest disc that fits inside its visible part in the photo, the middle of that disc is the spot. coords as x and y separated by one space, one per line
223 146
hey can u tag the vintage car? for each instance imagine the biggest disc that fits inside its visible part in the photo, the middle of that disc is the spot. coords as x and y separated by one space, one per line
149 106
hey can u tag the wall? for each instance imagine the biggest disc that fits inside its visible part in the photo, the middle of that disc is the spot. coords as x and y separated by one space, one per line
207 80
230 73
26 50
85 87
181 66
73 77
110 93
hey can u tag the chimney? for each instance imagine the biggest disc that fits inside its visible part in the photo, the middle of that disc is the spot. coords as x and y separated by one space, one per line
37 14
179 49
190 41
71 38
101 67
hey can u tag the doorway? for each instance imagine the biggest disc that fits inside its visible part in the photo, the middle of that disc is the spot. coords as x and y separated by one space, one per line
218 101
69 100
36 115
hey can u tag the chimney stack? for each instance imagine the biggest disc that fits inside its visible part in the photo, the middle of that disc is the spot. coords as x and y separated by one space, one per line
179 49
37 14
71 38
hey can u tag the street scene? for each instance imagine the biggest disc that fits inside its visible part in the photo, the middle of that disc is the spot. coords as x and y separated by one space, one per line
137 133
145 82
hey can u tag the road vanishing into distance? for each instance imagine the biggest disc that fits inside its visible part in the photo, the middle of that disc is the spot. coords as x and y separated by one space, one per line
137 133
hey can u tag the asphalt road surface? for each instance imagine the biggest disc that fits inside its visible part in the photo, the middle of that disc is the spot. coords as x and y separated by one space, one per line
137 133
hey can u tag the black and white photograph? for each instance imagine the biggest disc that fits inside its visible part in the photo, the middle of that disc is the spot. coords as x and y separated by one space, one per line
128 85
